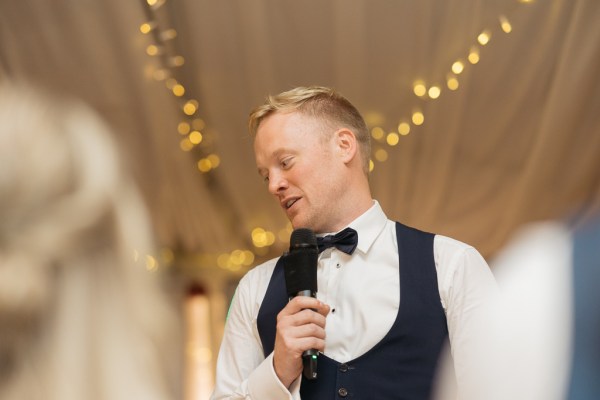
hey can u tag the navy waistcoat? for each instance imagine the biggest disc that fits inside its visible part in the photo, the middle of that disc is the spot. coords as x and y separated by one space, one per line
403 364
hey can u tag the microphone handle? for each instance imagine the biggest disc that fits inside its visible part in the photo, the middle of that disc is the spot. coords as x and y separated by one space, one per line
309 357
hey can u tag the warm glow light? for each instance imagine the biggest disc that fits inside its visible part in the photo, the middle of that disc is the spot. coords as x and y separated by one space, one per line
178 90
159 74
214 160
403 128
186 145
418 118
177 61
169 34
189 108
371 165
170 83
381 155
195 137
223 260
458 67
152 50
248 258
145 28
473 55
419 88
434 92
505 24
204 165
259 237
377 133
452 82
151 264
183 128
392 138
484 38
198 124
151 2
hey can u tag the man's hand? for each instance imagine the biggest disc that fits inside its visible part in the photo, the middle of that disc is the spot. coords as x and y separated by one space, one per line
299 328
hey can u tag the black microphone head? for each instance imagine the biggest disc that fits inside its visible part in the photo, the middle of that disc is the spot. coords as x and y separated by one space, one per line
303 237
300 264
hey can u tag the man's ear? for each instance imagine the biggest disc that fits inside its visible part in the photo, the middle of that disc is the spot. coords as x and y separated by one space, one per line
347 144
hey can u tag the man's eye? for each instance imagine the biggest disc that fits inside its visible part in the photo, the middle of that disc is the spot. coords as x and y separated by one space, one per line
286 163
265 179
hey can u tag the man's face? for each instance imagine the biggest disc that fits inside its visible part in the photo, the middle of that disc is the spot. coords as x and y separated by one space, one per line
301 168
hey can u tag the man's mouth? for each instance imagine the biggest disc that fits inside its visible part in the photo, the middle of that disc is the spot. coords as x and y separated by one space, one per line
290 203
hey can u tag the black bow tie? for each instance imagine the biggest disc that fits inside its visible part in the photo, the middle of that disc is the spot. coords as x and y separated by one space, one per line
345 241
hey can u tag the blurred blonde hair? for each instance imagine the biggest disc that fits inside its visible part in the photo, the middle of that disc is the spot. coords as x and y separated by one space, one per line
79 319
326 105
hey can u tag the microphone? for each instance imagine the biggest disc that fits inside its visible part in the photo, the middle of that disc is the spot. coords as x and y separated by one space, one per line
300 269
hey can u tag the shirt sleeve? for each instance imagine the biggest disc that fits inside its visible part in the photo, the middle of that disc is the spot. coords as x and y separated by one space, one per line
467 290
242 370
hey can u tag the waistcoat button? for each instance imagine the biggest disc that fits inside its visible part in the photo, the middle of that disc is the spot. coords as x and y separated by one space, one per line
342 392
343 367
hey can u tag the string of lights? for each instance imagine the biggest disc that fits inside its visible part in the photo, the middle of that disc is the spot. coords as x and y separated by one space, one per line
163 49
193 136
425 92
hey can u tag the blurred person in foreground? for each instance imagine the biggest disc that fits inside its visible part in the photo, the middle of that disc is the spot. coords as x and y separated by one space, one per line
387 299
79 318
542 339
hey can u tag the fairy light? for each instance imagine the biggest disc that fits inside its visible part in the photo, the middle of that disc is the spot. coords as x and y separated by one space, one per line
473 55
198 124
452 82
186 145
484 37
434 92
204 165
377 133
159 74
178 90
419 88
177 61
458 67
169 34
195 137
404 128
170 83
183 128
152 50
381 155
189 108
371 165
418 118
392 138
505 24
147 27
214 159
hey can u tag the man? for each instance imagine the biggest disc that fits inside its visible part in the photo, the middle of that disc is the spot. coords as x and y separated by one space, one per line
378 320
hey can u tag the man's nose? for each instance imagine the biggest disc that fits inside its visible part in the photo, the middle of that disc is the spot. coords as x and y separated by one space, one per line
277 183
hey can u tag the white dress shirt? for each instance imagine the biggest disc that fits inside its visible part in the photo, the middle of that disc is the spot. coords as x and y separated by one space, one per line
363 291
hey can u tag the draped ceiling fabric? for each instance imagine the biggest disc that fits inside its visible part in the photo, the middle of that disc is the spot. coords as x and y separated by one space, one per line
518 141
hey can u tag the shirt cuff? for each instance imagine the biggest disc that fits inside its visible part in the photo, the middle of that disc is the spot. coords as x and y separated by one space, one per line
264 383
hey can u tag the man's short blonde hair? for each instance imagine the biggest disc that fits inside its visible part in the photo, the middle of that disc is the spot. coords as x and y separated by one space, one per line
323 104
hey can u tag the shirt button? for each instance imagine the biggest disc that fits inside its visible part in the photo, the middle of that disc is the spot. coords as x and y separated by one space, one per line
342 392
344 368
